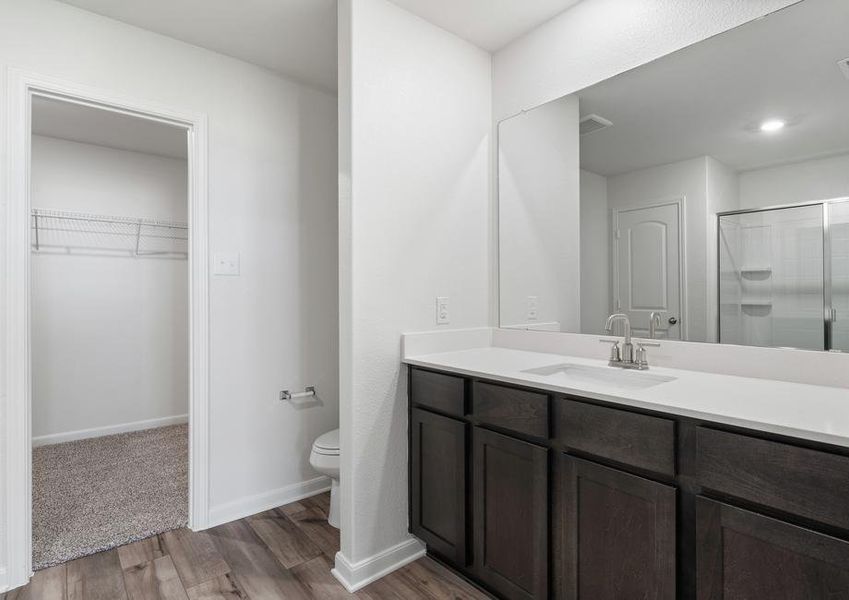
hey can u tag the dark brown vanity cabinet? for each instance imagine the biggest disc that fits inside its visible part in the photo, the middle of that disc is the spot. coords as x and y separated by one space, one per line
439 392
614 534
510 515
535 496
438 483
518 411
798 481
744 555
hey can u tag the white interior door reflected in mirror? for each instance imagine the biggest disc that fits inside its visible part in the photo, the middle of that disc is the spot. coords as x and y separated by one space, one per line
647 267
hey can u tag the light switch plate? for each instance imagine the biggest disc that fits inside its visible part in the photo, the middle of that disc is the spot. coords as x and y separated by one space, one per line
442 316
225 263
533 308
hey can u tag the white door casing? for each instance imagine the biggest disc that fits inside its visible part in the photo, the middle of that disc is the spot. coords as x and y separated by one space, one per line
648 267
15 249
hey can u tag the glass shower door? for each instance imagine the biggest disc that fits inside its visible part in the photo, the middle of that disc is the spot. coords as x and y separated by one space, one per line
771 279
838 223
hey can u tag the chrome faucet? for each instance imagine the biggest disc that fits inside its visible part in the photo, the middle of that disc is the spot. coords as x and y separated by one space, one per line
626 354
654 323
626 357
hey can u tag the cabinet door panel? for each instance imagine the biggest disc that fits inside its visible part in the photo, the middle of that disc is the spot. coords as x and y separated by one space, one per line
743 555
614 534
511 515
438 484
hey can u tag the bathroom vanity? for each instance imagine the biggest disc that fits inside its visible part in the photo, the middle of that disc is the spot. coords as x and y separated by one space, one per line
532 488
557 476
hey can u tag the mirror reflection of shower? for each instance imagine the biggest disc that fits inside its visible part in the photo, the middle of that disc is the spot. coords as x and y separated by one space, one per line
784 276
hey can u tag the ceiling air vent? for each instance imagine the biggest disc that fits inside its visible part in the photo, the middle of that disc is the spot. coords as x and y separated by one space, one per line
844 66
592 123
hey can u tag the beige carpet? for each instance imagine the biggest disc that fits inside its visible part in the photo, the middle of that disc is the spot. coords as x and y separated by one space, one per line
95 494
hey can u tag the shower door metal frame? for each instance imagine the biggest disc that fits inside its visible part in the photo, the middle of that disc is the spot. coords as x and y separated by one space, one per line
828 312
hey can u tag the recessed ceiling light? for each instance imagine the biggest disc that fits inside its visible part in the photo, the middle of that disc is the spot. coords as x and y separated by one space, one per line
772 125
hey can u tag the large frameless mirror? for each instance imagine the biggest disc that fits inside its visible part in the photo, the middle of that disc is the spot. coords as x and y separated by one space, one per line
700 194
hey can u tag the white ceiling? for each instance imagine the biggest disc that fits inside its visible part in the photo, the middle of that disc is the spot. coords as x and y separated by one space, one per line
68 121
709 99
489 24
295 38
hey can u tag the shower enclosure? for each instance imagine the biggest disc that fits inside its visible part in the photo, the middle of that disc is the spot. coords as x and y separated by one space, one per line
784 276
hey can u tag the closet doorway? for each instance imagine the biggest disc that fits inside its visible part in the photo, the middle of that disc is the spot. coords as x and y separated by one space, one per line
105 323
109 323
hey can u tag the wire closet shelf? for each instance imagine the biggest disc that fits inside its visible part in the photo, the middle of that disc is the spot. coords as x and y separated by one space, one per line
85 233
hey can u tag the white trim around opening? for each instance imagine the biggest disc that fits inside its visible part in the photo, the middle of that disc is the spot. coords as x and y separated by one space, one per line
15 383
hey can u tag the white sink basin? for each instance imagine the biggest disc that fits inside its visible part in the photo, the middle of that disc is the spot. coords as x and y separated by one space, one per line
568 373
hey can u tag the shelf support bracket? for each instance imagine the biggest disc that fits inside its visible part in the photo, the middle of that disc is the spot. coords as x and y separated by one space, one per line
35 216
138 237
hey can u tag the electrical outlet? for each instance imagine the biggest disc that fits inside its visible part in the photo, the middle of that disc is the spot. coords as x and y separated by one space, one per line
533 308
442 317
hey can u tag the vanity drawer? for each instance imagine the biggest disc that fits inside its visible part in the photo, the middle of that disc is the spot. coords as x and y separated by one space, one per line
629 438
445 393
803 482
517 410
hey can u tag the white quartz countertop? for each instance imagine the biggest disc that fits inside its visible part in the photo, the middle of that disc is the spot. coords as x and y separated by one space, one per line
810 412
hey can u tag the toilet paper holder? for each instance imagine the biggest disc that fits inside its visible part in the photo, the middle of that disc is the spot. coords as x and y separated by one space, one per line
287 395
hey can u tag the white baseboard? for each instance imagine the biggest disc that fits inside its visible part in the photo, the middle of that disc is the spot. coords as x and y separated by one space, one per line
251 505
358 575
70 436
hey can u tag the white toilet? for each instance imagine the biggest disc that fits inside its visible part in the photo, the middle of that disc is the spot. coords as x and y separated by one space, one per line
324 458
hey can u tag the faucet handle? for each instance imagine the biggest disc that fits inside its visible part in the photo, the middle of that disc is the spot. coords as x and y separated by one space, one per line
640 354
615 353
640 358
644 344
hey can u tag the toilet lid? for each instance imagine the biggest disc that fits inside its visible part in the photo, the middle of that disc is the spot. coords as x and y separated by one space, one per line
327 443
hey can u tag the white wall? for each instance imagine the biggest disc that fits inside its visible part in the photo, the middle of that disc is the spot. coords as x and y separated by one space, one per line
595 253
110 333
819 179
415 225
597 39
272 197
722 195
538 216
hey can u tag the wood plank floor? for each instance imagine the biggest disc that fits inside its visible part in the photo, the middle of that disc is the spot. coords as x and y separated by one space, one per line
285 553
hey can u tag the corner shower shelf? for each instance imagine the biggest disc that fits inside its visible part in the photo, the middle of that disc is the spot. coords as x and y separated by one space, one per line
75 232
756 269
756 303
